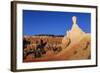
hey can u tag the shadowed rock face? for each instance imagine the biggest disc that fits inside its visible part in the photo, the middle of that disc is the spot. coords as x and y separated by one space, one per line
40 46
25 43
65 42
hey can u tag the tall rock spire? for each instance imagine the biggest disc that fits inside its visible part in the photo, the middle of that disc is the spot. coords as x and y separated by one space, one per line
74 19
75 33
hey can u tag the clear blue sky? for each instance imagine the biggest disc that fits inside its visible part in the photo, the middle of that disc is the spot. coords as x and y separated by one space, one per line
49 22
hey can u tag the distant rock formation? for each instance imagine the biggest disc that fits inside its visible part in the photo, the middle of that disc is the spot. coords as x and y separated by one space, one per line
49 35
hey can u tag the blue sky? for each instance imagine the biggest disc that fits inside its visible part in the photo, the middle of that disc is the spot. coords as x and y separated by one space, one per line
49 22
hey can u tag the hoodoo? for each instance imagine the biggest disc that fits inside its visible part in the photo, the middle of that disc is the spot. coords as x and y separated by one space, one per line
75 34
